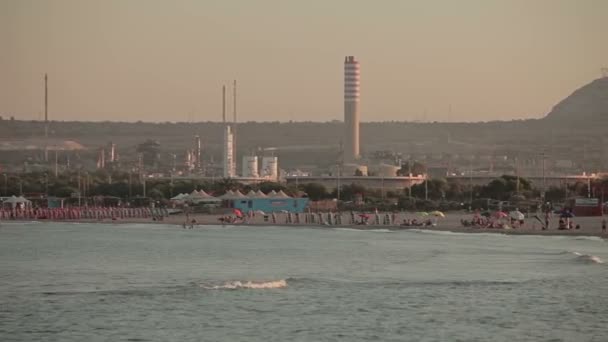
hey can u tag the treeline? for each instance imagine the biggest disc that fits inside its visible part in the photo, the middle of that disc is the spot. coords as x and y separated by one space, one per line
435 194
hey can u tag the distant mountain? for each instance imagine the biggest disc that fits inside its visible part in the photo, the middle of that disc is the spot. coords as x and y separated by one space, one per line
586 107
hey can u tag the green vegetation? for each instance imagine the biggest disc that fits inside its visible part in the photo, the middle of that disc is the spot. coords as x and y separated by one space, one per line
436 194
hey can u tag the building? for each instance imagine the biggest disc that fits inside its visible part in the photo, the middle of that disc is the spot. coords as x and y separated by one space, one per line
351 109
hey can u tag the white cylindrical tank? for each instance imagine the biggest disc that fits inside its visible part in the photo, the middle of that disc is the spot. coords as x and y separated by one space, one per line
250 167
270 168
387 170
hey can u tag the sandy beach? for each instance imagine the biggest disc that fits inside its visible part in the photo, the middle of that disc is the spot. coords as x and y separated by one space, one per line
589 226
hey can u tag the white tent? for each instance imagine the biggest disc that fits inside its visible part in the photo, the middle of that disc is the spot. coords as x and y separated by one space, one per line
272 194
228 195
260 194
200 197
281 194
179 197
252 194
238 194
16 201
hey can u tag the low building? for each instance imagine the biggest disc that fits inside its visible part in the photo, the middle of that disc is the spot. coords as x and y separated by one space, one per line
269 205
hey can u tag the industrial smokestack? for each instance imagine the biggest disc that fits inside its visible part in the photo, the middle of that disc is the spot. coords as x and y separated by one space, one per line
351 108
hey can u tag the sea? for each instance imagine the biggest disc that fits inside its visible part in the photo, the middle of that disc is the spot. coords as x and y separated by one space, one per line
154 282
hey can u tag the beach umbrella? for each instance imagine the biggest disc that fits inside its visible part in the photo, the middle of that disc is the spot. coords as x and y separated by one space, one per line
437 213
517 215
238 213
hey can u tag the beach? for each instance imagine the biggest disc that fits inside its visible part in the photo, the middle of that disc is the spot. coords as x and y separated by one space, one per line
589 226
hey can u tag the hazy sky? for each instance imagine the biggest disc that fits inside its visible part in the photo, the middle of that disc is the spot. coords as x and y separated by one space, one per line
166 60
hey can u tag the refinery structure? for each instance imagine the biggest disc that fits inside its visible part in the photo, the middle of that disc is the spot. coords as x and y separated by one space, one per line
208 151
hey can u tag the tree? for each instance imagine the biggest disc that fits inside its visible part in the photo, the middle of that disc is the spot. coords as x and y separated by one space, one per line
348 192
315 191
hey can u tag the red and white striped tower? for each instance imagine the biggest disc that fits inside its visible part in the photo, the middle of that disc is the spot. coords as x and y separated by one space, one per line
351 108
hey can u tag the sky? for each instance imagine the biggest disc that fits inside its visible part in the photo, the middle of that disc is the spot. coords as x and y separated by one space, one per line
427 60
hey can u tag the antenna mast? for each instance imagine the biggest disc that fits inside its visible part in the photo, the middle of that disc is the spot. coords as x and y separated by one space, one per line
234 122
224 104
46 119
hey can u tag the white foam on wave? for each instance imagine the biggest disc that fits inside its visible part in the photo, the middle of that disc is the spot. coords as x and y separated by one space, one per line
235 285
588 258
589 238
363 230
447 232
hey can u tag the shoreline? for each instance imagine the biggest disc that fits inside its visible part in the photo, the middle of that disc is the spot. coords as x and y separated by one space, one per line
447 225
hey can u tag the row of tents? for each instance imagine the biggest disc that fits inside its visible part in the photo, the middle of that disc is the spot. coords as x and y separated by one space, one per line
200 196
16 201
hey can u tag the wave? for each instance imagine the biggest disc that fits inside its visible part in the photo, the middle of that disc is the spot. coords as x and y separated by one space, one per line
448 232
235 285
364 230
590 238
585 258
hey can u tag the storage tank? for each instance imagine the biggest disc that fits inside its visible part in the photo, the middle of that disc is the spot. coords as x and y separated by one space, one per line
250 167
349 170
386 170
270 168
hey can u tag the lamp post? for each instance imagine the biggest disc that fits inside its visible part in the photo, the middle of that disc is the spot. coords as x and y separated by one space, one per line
46 185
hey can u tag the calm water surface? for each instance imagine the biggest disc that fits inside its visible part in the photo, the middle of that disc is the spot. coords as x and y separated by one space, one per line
95 282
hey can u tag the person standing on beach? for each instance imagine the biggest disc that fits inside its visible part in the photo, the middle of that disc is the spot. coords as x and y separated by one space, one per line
603 226
546 221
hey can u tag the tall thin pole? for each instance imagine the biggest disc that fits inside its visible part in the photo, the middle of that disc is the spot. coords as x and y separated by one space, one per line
409 174
79 188
46 119
56 166
224 104
471 183
426 187
234 124
542 195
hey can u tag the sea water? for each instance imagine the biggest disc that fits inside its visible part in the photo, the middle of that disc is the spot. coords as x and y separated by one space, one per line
139 282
